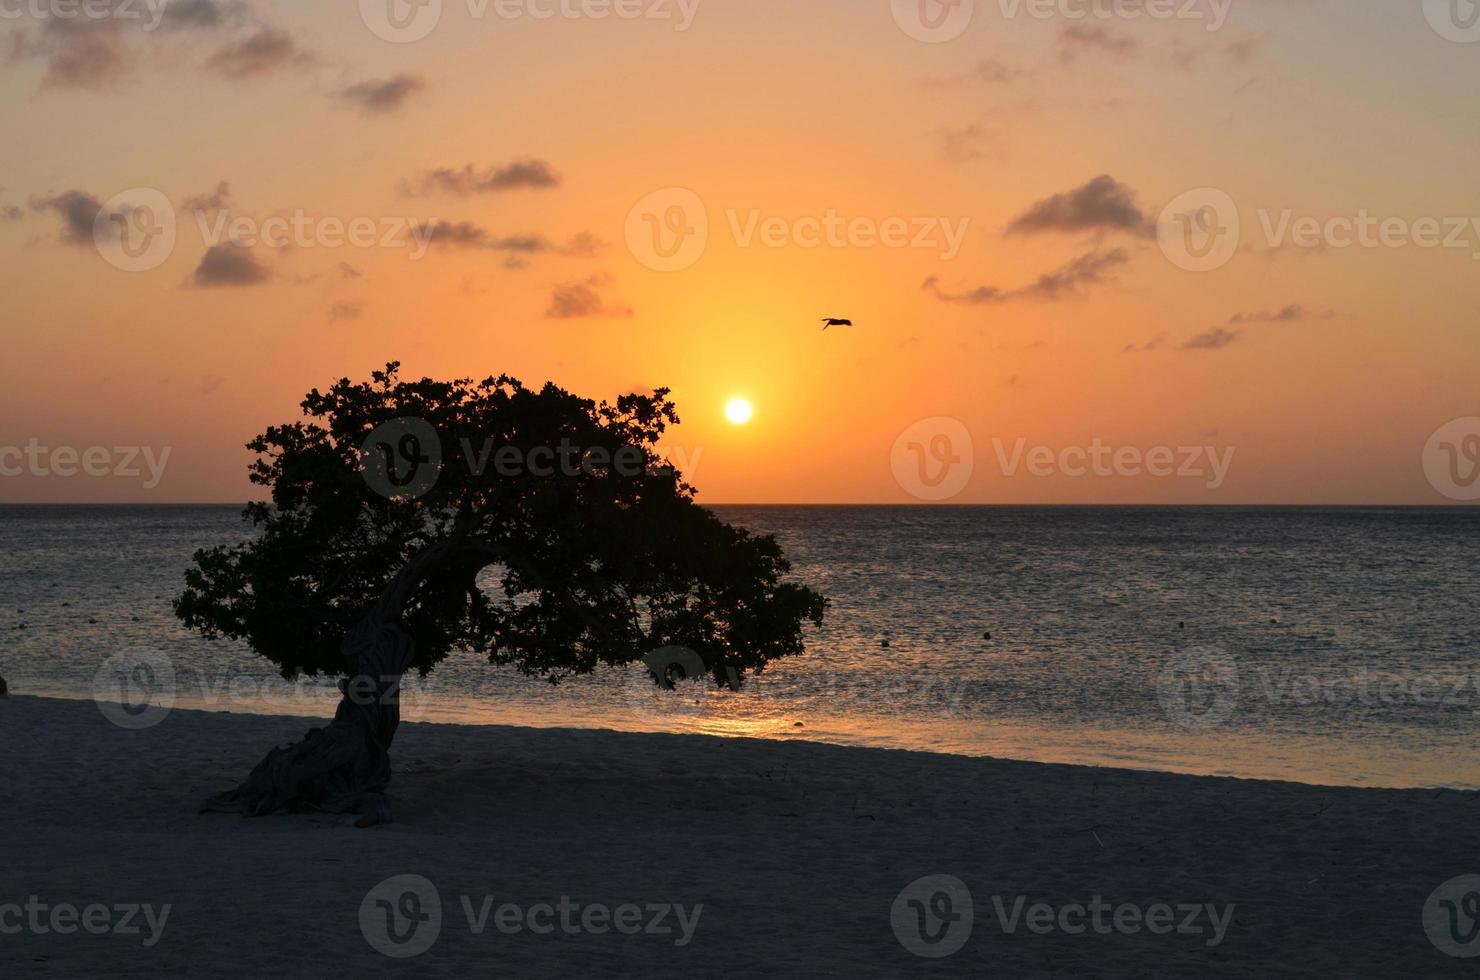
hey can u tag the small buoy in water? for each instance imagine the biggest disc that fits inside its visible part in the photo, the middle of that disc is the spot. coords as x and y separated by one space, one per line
91 620
798 725
884 644
1274 622
986 636
1181 625
4 689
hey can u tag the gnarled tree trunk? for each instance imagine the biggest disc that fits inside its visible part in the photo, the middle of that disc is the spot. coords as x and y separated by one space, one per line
345 766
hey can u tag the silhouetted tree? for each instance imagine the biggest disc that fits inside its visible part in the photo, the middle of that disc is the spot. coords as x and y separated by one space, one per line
412 518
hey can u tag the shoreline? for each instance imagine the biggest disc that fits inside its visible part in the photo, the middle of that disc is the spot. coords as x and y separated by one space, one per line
1051 747
1303 879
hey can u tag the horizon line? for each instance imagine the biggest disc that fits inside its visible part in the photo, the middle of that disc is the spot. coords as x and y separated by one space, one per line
917 505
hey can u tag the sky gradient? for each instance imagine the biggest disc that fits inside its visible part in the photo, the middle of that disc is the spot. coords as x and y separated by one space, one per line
537 158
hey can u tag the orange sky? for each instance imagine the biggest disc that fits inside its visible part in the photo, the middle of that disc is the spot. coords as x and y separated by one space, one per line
1323 369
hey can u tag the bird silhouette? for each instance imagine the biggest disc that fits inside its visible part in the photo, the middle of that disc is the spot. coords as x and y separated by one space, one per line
829 321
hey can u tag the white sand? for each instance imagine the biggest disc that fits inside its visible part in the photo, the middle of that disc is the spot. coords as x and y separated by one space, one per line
796 852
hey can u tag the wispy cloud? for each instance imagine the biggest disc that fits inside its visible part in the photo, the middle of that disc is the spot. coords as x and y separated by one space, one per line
1067 281
1294 313
1102 205
213 201
382 97
1215 338
1095 39
267 50
582 299
521 174
468 235
1219 337
1155 343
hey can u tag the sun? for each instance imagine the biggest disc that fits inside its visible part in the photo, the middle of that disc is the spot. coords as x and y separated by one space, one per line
739 411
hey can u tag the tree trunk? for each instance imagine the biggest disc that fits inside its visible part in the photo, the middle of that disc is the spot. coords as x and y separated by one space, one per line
345 766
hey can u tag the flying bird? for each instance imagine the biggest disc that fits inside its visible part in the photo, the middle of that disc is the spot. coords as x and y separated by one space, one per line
828 321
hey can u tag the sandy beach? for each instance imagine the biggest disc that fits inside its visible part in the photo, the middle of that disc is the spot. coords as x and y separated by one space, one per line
716 856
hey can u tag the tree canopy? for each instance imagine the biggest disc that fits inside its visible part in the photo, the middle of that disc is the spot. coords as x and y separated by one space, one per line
534 527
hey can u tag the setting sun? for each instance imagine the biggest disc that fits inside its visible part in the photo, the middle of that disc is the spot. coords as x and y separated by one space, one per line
739 411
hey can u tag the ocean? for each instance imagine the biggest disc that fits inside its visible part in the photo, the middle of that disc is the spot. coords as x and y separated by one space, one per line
1329 646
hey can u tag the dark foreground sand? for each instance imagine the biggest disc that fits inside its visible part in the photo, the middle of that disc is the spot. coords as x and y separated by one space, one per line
796 852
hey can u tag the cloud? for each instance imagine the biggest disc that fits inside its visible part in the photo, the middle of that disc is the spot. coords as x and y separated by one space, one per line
1239 51
263 52
466 234
11 213
378 98
583 246
980 296
1294 313
201 14
345 311
214 201
1098 40
210 384
103 47
1067 281
78 210
78 53
521 174
1155 343
348 271
230 264
576 300
1102 205
1215 338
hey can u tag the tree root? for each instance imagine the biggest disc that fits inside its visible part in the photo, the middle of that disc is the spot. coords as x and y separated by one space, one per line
345 766
336 769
